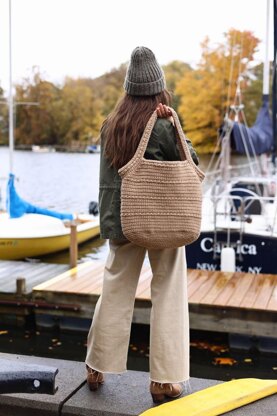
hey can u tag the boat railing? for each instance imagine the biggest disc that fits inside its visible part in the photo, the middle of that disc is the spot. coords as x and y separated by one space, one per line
227 218
229 214
238 167
268 210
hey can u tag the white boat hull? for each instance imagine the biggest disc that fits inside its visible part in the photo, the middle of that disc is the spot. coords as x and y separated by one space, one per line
34 235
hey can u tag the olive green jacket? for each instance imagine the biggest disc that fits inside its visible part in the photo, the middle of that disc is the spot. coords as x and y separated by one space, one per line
162 145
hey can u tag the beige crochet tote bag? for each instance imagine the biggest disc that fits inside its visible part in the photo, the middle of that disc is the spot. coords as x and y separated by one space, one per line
161 201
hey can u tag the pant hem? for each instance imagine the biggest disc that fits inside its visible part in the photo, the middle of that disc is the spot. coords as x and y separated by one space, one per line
170 381
104 371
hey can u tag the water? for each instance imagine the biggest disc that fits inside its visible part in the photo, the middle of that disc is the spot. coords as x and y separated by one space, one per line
206 348
60 181
65 182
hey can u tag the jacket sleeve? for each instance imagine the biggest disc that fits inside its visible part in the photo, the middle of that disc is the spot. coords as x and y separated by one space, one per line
192 152
163 143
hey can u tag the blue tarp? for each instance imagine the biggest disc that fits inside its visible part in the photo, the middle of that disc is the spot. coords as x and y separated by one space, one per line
16 206
260 135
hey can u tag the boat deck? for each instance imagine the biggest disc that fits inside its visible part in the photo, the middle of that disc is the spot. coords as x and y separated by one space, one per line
220 301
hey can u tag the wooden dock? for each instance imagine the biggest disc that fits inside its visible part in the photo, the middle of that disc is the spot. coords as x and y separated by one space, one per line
17 279
34 274
218 301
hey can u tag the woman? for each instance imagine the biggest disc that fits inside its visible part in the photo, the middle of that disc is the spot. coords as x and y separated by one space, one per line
108 338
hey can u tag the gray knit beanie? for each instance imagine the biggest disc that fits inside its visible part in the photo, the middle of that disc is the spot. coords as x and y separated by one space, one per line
144 75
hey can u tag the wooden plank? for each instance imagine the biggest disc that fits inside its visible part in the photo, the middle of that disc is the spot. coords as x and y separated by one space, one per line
221 281
206 283
192 275
69 283
251 294
198 281
272 304
97 290
145 294
144 281
240 290
33 273
234 291
85 286
70 273
266 285
233 320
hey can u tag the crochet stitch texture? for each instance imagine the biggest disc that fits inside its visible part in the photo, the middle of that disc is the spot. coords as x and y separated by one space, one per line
161 201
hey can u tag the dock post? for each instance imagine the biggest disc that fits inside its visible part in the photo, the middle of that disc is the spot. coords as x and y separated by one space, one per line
20 285
73 245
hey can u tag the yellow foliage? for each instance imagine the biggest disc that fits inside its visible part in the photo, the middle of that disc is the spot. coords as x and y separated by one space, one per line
206 93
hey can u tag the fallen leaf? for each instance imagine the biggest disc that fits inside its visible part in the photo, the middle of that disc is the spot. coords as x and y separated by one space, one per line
224 361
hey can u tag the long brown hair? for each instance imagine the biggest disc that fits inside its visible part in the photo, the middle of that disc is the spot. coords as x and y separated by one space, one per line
124 127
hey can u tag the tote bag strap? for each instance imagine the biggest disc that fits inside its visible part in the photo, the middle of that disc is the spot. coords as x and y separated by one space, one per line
138 156
183 147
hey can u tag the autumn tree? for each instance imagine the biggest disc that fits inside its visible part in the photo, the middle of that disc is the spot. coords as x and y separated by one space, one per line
34 101
63 113
81 111
174 72
3 118
206 93
109 88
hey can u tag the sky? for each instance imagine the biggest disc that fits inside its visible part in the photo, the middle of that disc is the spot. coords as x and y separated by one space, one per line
86 38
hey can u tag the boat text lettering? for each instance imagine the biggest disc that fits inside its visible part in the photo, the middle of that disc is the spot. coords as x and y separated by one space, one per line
208 246
206 266
213 267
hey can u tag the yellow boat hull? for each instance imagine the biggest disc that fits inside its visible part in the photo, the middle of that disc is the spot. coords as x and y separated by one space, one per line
19 248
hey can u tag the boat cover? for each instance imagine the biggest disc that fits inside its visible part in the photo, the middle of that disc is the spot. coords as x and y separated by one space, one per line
16 206
259 138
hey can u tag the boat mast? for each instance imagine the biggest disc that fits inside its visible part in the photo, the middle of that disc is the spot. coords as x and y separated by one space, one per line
11 132
266 69
263 161
274 84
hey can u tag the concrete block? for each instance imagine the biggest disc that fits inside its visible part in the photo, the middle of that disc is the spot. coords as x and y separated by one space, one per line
128 395
26 378
120 395
70 377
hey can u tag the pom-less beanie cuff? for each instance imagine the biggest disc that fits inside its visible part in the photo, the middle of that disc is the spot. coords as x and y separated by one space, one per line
149 88
144 75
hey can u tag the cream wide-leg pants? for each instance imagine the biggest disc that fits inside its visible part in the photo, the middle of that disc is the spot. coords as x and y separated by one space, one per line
109 334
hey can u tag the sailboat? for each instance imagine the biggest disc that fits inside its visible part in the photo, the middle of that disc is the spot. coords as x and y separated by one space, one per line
239 226
27 230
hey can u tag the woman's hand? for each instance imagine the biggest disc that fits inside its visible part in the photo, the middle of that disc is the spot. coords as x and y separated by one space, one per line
163 111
